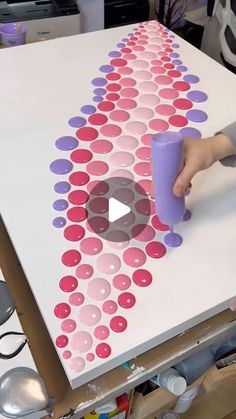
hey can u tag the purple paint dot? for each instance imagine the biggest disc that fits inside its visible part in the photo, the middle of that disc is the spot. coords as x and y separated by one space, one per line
187 215
191 78
174 55
59 222
177 62
106 68
130 34
197 96
99 81
88 109
77 122
66 143
124 40
175 45
171 36
121 45
97 98
61 166
190 132
99 91
62 187
114 54
181 68
196 116
173 240
60 205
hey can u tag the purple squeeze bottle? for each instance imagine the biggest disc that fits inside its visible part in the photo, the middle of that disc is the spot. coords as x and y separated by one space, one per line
167 154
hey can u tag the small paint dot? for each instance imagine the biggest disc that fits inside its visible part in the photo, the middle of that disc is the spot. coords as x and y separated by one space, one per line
187 215
81 156
68 326
88 109
126 300
109 307
71 258
90 357
143 113
106 68
113 76
155 250
114 54
134 257
173 240
77 364
101 332
121 282
149 99
101 146
99 81
129 92
77 214
145 206
66 354
144 187
74 232
113 87
99 91
143 153
127 82
143 233
146 139
168 93
59 222
118 324
84 271
103 350
76 299
62 310
147 86
62 187
87 133
142 75
142 278
68 283
62 341
91 246
125 70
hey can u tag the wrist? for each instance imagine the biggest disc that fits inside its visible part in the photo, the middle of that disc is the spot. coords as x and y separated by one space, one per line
221 147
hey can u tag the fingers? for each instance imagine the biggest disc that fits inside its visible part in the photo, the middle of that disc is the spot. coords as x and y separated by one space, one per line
183 181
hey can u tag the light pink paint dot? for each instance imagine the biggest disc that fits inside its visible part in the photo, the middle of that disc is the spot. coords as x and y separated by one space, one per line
77 364
144 187
138 48
89 315
147 86
126 104
66 354
119 116
62 341
121 159
62 310
143 113
168 93
110 130
136 127
155 48
121 282
156 250
97 168
90 357
127 142
178 121
76 299
81 341
157 69
108 263
126 300
128 82
71 258
125 70
134 257
123 173
84 271
101 332
103 350
163 80
142 75
165 110
68 326
140 64
142 278
98 289
143 233
142 169
109 307
147 55
91 246
68 283
143 153
129 92
101 146
118 324
158 125
149 99
146 139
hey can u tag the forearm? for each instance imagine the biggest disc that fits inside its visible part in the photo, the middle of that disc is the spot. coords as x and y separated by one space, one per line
229 133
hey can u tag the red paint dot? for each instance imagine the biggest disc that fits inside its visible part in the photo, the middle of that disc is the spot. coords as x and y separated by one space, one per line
77 214
142 278
169 66
131 43
113 76
178 121
86 134
113 87
68 283
183 104
164 58
182 86
103 350
118 324
155 250
174 73
97 119
71 258
163 80
106 106
165 110
81 156
126 50
74 233
79 178
118 62
62 341
126 300
158 225
168 93
62 310
158 125
78 197
112 96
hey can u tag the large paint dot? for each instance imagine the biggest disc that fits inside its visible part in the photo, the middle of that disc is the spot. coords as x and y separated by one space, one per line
78 197
77 122
97 168
81 341
136 127
97 119
163 80
84 271
143 153
118 324
68 283
106 68
108 263
88 109
183 104
99 81
134 257
87 133
158 225
143 233
147 86
106 106
182 86
61 166
103 350
126 104
121 159
129 92
121 282
77 364
66 143
165 110
119 116
143 169
142 75
60 205
190 132
110 130
127 82
126 300
101 332
178 121
113 87
99 289
197 96
81 156
62 341
68 326
71 258
98 188
125 70
142 278
109 307
149 100
89 315
77 214
76 299
123 173
127 142
158 125
97 225
62 310
74 233
91 246
155 250
146 139
79 179
118 62
143 113
191 78
196 115
168 93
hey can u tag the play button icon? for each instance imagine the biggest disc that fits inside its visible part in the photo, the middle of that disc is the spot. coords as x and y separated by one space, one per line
118 209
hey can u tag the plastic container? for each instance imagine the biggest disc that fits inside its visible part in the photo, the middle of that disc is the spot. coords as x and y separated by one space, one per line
13 34
109 407
185 401
171 381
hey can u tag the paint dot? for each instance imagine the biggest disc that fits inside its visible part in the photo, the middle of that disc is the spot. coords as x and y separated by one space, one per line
136 128
138 48
113 87
84 271
168 93
183 104
158 125
68 283
103 350
60 205
97 119
122 239
61 166
134 257
68 325
62 341
197 96
190 78
181 86
144 187
126 176
178 121
187 215
77 364
99 289
155 250
110 130
91 246
101 146
87 133
90 357
173 240
81 341
127 82
81 156
59 222
125 71
142 278
126 300
97 168
71 258
77 214
114 54
101 332
147 86
62 187
78 197
89 315
66 143
174 73
106 106
126 104
129 92
62 310
118 324
182 68
190 132
99 81
109 307
169 66
143 233
127 142
163 80
145 206
149 99
119 116
121 159
97 99
143 169
77 122
66 354
121 282
143 153
106 68
143 113
108 263
76 299
157 224
88 109
99 91
74 233
196 115
118 62
142 75
165 110
146 139
157 70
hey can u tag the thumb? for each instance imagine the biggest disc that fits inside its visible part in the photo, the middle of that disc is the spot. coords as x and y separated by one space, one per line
183 180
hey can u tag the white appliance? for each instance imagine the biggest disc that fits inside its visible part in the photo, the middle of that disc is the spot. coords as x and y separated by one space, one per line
92 15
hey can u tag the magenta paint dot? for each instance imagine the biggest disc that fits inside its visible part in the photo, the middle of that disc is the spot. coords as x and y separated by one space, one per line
147 86
66 354
158 125
119 62
143 169
134 257
196 115
145 206
109 307
121 282
114 54
99 81
81 156
84 271
142 278
87 133
143 113
97 225
89 315
155 250
158 225
144 187
97 119
183 104
74 233
101 146
136 127
125 70
113 87
108 263
77 214
121 159
168 93
197 96
103 350
129 92
165 110
76 299
187 215
68 326
143 233
118 324
158 70
91 246
59 222
77 364
106 106
149 99
101 332
62 187
62 310
61 167
71 258
190 78
97 168
99 289
106 68
127 82
127 142
88 109
113 76
77 122
142 75
178 121
68 283
62 341
110 130
98 188
173 240
190 132
81 341
60 205
123 173
126 300
181 86
99 205
78 197
90 357
66 143
126 104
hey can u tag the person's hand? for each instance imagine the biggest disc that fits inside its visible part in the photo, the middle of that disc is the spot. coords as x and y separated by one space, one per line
200 154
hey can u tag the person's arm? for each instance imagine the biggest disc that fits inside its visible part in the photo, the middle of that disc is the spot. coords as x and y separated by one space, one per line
230 132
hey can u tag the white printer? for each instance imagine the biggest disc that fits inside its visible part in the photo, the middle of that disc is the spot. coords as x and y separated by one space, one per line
45 19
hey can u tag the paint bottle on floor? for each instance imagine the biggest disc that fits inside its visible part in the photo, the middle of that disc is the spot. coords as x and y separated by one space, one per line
171 381
185 401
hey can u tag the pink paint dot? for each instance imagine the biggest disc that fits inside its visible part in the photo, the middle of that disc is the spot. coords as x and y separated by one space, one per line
121 159
155 250
121 282
140 64
123 173
158 225
62 341
106 106
134 257
149 99
101 146
76 299
126 104
144 187
145 207
178 121
118 62
169 66
158 70
113 87
162 80
81 341
86 134
110 130
138 48
143 233
71 258
68 283
77 364
77 214
62 310
142 278
125 50
81 156
174 73
68 326
66 354
168 93
78 197
147 55
147 86
183 104
118 324
125 70
146 139
98 188
103 350
129 92
127 142
101 332
99 289
89 315
97 224
99 205
97 168
119 116
142 42
109 307
74 233
154 48
84 271
182 86
91 246
136 127
165 110
143 169
90 357
112 76
112 96
127 82
143 113
126 300
97 119
117 235
142 75
78 179
158 125
156 62
108 263
143 153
